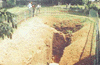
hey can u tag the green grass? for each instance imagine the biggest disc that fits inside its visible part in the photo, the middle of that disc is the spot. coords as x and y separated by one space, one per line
51 11
20 11
17 9
63 15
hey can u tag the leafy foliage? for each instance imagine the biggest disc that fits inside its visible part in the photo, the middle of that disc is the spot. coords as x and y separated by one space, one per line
10 3
85 1
76 2
5 28
92 6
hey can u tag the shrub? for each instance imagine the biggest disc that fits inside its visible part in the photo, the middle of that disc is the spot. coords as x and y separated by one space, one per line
10 3
5 28
92 6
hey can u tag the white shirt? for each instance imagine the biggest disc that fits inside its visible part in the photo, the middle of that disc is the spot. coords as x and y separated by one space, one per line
29 5
38 6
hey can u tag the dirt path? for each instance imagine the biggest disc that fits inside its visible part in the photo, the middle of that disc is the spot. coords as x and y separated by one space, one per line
27 45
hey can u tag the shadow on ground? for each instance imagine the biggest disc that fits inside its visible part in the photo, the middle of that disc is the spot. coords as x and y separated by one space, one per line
86 61
59 43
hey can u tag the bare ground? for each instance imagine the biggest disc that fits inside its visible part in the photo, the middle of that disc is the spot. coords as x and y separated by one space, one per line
32 44
28 44
81 50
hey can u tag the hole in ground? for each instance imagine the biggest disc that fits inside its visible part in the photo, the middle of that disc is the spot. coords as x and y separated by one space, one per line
63 39
60 41
66 29
68 25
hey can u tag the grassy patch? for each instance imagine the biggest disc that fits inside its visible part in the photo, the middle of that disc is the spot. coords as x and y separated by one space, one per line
56 12
17 9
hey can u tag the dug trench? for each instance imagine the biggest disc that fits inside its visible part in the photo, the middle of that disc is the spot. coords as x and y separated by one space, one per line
62 39
47 45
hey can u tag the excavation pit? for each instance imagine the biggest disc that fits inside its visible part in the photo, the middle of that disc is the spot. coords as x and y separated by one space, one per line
62 39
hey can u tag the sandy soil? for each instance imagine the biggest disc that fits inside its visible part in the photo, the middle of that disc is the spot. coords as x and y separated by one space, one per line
82 49
32 44
28 44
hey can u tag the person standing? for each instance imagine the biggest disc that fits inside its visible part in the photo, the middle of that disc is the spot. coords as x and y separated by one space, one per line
30 8
33 6
38 8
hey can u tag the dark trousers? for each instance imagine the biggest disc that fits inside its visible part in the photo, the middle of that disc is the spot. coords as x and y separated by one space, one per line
33 11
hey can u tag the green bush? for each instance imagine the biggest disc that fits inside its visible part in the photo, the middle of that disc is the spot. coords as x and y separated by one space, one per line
10 3
5 28
92 6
